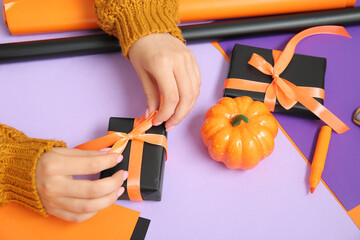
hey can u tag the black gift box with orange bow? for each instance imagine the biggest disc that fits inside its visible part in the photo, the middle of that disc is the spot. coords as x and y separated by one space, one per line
153 161
303 70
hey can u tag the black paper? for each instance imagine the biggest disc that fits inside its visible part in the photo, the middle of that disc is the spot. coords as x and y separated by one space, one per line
153 161
140 229
102 43
306 71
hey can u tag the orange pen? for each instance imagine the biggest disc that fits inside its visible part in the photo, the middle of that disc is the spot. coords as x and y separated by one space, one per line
318 162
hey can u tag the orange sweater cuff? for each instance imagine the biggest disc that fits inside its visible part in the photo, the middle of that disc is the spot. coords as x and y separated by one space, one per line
18 160
130 20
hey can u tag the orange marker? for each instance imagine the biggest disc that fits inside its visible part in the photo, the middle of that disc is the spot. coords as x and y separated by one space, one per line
318 162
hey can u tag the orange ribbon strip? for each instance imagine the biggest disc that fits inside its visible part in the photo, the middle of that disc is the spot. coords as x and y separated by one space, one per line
286 92
119 141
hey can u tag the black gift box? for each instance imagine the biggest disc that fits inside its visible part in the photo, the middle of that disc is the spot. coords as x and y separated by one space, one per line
153 160
306 71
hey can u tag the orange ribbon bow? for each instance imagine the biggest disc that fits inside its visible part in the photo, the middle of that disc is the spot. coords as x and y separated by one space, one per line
119 141
287 93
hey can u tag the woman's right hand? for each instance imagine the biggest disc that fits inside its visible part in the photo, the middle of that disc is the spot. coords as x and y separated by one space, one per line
77 200
166 68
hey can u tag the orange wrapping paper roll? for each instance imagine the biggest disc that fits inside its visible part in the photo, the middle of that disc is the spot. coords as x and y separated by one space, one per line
39 16
195 10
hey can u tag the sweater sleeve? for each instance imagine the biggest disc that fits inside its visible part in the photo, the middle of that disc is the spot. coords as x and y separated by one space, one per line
18 158
130 20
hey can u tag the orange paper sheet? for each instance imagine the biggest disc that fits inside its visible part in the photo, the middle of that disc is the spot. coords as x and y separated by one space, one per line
114 222
39 16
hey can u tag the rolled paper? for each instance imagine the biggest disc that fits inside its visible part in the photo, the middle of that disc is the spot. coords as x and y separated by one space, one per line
103 43
38 16
56 48
200 10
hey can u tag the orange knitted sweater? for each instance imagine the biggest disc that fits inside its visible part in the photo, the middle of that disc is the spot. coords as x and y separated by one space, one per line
128 20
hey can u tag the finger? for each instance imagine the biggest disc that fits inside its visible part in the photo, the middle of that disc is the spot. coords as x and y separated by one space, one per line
184 80
88 189
80 165
196 69
193 68
77 152
168 88
70 216
151 91
78 205
106 150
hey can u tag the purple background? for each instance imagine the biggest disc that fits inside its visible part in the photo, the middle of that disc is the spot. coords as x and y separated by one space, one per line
72 98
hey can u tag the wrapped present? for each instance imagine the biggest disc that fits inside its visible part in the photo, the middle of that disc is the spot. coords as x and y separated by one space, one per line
153 160
303 71
286 82
144 150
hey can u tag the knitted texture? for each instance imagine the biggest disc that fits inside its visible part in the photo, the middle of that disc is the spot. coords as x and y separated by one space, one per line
130 20
18 158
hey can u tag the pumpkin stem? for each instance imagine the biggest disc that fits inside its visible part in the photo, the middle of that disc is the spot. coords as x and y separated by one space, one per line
237 120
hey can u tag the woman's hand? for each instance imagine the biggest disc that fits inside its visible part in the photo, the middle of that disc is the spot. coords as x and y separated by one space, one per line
166 67
77 200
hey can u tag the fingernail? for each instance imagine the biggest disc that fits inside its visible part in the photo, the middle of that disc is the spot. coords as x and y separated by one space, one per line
157 123
168 129
121 191
105 150
125 175
119 158
147 113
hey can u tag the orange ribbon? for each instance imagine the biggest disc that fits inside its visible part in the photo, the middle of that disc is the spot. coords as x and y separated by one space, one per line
286 92
119 141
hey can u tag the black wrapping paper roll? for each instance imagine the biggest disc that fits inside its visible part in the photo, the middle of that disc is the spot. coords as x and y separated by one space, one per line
287 22
56 48
103 43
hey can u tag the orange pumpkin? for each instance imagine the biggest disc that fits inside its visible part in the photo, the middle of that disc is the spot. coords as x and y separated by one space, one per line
239 132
